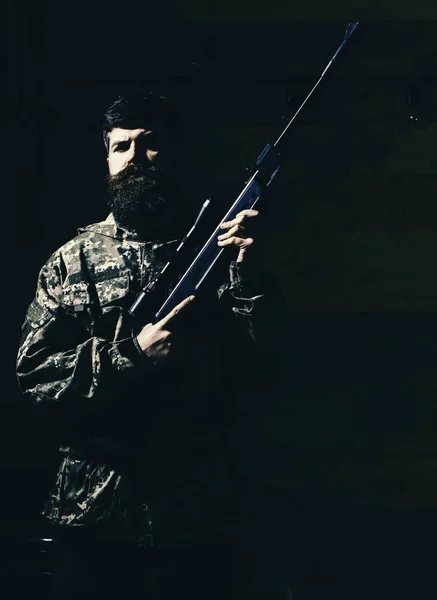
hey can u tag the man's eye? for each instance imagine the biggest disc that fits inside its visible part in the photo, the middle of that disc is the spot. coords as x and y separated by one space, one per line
121 148
151 142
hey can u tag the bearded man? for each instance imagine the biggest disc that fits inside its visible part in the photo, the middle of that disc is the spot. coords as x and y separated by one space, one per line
146 493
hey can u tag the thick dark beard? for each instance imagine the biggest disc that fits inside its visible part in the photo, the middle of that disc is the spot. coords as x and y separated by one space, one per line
144 200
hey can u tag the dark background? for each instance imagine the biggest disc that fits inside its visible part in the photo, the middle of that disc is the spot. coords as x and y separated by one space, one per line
344 437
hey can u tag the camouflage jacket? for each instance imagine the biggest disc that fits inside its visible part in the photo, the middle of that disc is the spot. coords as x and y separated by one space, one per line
130 433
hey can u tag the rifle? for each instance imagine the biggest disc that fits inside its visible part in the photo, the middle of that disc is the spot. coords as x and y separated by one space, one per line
262 174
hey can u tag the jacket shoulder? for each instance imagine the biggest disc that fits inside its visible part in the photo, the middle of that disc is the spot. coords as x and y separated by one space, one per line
92 247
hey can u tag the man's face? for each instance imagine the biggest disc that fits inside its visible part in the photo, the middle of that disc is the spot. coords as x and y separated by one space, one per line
141 183
135 146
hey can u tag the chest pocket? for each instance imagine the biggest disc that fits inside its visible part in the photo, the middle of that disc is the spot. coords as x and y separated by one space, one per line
76 296
81 295
112 290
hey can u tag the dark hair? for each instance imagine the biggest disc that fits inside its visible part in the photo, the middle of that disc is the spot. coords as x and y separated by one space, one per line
138 110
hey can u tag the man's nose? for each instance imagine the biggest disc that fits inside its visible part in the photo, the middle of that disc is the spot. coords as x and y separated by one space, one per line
130 154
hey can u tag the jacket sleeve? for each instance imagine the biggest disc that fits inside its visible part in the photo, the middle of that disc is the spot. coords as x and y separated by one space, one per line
58 360
243 295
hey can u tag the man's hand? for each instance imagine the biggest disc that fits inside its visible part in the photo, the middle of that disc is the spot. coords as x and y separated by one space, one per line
155 340
239 232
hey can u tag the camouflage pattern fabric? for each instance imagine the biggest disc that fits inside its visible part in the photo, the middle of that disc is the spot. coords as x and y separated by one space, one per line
78 357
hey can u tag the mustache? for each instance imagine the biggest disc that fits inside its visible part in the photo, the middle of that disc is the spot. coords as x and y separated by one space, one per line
137 171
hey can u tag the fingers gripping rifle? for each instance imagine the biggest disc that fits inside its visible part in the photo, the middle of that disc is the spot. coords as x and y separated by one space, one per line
262 174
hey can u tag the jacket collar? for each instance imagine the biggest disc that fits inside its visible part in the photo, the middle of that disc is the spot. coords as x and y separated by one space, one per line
111 229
